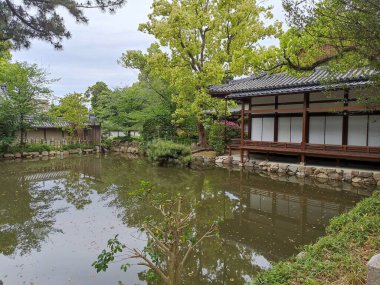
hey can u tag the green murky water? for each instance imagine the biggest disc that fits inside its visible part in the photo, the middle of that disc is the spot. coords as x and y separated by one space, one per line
56 216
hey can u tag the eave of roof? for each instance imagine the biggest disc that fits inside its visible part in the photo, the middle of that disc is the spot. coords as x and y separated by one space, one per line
282 83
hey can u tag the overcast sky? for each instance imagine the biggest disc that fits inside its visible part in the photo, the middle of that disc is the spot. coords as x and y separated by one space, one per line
92 52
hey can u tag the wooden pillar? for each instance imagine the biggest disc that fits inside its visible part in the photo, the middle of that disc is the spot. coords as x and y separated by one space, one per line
242 132
305 125
250 120
242 123
276 120
345 119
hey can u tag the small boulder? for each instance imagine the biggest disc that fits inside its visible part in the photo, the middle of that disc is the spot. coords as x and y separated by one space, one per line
45 153
365 174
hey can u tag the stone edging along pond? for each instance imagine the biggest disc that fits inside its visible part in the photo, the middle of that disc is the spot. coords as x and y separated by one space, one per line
31 155
354 176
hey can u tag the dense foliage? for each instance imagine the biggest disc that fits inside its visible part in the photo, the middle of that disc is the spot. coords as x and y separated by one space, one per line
23 21
220 134
162 151
73 109
25 90
206 40
338 258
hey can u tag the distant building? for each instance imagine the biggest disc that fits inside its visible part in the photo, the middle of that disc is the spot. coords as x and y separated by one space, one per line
54 130
314 116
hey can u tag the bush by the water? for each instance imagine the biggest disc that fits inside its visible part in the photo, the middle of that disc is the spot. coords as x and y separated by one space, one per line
26 148
221 133
338 258
77 146
164 151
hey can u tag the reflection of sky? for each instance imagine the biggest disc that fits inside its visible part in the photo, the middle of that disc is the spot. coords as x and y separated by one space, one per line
66 258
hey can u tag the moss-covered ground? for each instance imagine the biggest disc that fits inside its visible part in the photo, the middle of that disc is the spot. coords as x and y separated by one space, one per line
338 258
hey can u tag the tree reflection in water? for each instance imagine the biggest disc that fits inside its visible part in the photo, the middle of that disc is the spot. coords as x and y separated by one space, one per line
263 220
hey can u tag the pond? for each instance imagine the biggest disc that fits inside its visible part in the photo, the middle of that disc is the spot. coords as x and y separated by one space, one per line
57 215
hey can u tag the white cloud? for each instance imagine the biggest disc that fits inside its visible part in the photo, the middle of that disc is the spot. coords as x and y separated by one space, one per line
92 52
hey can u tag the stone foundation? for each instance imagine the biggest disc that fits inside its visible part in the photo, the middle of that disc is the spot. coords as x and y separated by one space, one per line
355 177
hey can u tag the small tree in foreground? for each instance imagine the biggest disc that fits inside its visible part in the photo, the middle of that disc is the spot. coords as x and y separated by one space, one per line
171 239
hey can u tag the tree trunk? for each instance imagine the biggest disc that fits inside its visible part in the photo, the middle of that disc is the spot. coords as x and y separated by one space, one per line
202 139
22 129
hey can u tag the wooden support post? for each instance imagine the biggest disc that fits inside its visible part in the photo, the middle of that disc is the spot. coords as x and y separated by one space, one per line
250 120
242 131
276 120
305 121
345 119
305 125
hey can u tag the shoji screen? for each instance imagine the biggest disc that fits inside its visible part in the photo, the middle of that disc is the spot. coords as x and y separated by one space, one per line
334 130
296 129
357 130
268 130
257 129
284 129
263 129
374 131
317 130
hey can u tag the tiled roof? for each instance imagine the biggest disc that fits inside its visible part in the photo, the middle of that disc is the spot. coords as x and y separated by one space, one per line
55 123
282 83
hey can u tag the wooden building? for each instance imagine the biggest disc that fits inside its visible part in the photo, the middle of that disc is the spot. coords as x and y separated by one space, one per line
314 116
53 131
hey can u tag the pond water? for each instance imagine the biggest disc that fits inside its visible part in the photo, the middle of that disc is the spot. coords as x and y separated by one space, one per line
57 215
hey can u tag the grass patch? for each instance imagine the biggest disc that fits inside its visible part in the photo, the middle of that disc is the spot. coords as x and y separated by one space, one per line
338 258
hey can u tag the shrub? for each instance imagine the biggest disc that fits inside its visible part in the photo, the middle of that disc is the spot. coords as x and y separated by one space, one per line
162 151
37 147
76 146
216 138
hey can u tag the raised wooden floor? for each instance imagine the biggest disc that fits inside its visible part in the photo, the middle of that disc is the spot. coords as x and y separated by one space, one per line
357 153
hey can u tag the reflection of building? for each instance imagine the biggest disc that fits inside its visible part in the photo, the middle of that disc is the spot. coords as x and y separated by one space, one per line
310 116
274 223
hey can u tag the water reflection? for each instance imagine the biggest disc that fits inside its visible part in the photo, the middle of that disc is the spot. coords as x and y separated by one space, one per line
265 220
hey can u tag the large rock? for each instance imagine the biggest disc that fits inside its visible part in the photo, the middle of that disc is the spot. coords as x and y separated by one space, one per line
376 176
357 180
292 169
347 176
322 176
250 163
45 153
365 174
374 270
274 167
9 156
335 176
18 155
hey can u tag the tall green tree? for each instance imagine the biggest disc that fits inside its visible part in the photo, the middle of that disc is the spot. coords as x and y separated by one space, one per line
73 109
204 40
337 34
23 21
96 91
25 87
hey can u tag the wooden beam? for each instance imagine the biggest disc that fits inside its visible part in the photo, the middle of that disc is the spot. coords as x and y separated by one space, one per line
314 110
